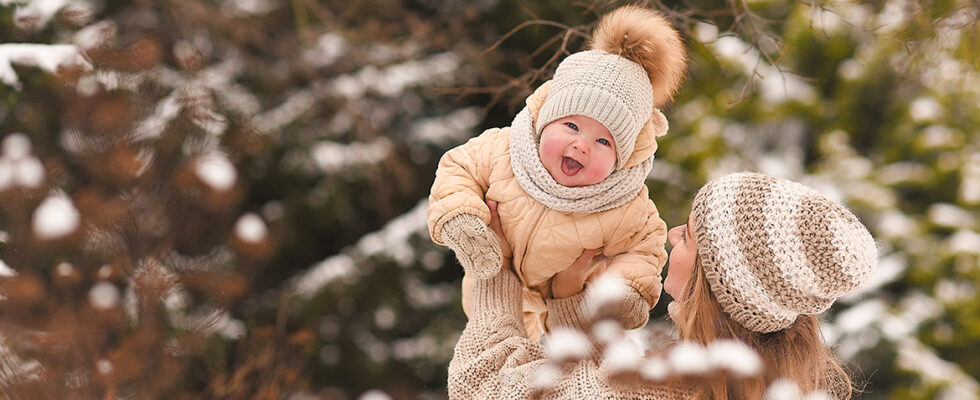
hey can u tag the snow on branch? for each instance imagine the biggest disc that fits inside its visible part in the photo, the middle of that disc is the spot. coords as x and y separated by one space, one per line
34 15
913 355
391 240
389 82
332 157
49 57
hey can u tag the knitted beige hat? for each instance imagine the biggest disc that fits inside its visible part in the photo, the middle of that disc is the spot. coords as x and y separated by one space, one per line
605 87
636 63
773 249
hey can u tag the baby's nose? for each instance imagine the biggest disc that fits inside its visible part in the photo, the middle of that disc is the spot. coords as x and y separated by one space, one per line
580 146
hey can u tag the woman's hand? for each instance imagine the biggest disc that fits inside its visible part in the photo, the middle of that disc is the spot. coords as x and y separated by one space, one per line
504 245
572 280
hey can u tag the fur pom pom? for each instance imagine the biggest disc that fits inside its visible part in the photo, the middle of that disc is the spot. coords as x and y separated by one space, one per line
645 37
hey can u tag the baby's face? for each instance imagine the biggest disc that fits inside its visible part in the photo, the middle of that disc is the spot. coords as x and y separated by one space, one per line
577 151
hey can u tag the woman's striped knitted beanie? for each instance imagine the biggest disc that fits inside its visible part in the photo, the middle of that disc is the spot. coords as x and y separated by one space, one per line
773 249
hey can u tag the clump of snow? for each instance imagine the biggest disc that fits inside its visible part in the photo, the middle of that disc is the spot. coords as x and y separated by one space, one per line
36 14
850 69
384 317
329 47
216 171
244 8
251 229
783 389
567 344
295 105
64 269
925 109
18 168
165 111
103 295
827 21
607 290
391 240
392 80
545 377
914 309
689 358
374 394
324 272
48 57
970 186
228 327
449 129
175 300
817 395
655 369
949 215
16 145
938 136
916 357
5 269
964 241
861 315
895 224
953 291
332 157
104 272
104 366
889 268
775 86
735 357
606 331
621 356
55 218
706 32
95 35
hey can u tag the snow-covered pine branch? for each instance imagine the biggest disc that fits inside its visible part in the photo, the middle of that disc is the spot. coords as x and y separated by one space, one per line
49 57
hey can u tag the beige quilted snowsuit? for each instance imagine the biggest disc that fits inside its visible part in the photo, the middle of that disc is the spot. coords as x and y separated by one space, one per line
546 241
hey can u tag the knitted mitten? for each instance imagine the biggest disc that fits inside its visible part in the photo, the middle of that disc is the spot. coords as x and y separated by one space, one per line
477 247
635 311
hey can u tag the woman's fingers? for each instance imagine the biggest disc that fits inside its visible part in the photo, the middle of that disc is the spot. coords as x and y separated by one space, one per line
572 279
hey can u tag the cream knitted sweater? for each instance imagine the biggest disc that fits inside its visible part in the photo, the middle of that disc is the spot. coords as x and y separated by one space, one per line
494 359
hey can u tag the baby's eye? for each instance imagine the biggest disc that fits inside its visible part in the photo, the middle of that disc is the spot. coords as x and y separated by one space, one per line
572 125
604 142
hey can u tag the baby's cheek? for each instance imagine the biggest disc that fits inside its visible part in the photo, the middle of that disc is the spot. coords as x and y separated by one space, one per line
597 175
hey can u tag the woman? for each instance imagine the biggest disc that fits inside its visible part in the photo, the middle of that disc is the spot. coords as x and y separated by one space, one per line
759 258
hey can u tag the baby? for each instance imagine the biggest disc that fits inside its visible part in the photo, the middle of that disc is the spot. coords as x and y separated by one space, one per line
568 174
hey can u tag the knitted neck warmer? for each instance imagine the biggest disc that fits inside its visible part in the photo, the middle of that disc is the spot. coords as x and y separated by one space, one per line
617 189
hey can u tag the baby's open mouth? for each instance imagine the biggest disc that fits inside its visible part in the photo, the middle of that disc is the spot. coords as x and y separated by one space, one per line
569 166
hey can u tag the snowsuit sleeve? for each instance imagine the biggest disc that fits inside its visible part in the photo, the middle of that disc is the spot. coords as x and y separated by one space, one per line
640 262
462 179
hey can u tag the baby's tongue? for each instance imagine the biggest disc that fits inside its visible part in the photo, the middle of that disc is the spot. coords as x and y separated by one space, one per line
570 166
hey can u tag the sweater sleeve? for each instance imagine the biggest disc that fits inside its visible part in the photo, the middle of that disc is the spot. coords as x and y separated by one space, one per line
462 180
494 359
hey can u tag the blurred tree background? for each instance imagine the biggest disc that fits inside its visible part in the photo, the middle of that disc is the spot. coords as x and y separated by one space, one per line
226 199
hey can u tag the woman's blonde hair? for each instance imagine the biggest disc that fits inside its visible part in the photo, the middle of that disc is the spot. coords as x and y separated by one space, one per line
797 353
